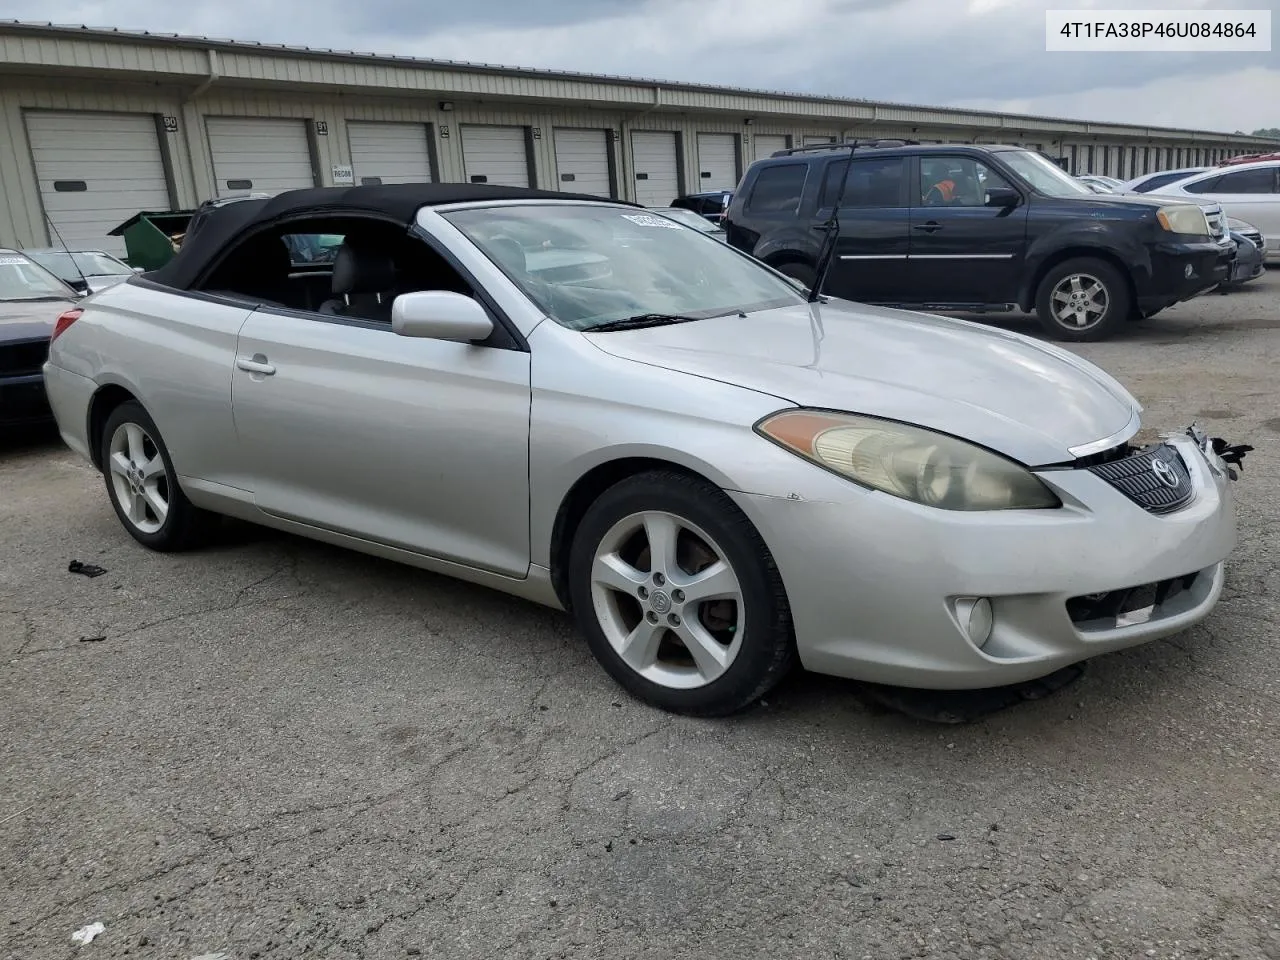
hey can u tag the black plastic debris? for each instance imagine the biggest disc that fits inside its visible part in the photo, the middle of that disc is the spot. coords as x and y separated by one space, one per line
945 836
92 639
967 706
1231 454
85 569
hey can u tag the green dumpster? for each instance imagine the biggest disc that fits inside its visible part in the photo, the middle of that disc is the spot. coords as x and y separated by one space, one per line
152 238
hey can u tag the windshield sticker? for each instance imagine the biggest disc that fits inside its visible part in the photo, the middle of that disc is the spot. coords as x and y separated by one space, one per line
646 220
12 262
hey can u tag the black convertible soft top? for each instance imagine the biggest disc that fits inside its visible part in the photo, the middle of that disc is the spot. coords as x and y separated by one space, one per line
212 229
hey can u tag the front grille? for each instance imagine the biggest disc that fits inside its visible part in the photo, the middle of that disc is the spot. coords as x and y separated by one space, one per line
1253 237
23 358
1130 606
1154 477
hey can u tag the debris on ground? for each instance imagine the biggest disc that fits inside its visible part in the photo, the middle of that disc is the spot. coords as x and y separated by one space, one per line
85 569
87 933
92 639
967 706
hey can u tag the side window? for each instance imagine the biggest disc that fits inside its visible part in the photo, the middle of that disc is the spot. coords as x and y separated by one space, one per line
309 248
872 182
956 182
1207 185
1262 180
342 267
777 189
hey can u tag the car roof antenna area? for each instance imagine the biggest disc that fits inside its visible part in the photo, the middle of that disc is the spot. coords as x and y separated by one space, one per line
832 227
67 251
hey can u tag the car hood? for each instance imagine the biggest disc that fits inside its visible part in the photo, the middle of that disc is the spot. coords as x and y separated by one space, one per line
28 320
1026 399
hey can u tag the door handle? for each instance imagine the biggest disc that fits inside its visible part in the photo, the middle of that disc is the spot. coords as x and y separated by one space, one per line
930 227
256 365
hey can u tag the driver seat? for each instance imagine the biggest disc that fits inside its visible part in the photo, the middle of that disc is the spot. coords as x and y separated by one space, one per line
364 283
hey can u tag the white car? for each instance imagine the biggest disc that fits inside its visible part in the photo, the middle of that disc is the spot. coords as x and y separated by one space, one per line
1101 184
1248 191
1154 181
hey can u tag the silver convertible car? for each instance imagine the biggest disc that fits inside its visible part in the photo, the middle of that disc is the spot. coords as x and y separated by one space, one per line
599 409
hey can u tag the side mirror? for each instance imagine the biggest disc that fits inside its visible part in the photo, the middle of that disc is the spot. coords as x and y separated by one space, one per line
139 269
1002 197
440 315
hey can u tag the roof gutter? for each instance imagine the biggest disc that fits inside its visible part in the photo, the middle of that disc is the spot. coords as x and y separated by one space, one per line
210 80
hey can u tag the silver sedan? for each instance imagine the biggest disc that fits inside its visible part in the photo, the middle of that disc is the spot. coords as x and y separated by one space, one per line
599 409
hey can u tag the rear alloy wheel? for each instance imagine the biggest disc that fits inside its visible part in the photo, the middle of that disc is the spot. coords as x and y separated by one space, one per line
679 597
142 483
1082 300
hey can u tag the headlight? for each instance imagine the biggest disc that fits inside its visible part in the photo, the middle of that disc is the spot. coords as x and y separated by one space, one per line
909 462
1183 218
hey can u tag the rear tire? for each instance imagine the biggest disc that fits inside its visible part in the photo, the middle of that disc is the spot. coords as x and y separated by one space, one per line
1081 300
678 596
143 485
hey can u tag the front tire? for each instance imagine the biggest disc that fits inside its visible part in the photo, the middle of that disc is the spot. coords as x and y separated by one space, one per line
1082 300
143 486
678 596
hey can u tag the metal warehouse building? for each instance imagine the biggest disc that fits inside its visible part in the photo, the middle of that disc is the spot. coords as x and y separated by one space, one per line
97 125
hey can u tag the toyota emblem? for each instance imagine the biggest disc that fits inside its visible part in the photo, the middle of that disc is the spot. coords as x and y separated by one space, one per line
1164 473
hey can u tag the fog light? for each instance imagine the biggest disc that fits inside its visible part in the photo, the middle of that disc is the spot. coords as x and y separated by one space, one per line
1189 270
974 614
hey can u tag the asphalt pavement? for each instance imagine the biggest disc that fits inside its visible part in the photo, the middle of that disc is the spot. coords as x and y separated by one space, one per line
274 749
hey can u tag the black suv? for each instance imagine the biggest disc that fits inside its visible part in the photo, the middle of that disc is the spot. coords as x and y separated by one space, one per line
966 227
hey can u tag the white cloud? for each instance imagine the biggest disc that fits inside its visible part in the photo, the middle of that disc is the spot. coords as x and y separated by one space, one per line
1228 101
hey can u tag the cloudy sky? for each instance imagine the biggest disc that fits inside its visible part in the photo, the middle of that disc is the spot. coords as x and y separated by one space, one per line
985 53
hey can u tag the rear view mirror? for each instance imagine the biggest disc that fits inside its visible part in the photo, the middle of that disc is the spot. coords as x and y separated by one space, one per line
440 315
1002 197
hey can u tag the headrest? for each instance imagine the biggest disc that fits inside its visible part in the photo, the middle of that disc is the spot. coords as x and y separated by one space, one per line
360 268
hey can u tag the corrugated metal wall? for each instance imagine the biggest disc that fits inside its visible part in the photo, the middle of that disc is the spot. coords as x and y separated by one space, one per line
191 169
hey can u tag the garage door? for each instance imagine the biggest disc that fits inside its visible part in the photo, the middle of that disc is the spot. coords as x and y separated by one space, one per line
582 161
768 144
259 155
389 152
495 155
95 171
717 161
657 168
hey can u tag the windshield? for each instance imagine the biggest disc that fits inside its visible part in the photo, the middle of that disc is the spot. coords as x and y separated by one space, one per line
72 266
1044 175
20 279
588 265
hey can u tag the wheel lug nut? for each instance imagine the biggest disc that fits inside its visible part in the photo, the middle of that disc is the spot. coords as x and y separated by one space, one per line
677 596
674 620
643 593
652 617
659 579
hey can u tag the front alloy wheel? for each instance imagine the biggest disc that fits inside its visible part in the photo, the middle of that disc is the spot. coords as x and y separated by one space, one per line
678 595
667 600
1082 299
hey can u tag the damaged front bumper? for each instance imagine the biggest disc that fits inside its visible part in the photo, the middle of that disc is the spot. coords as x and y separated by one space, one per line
883 590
